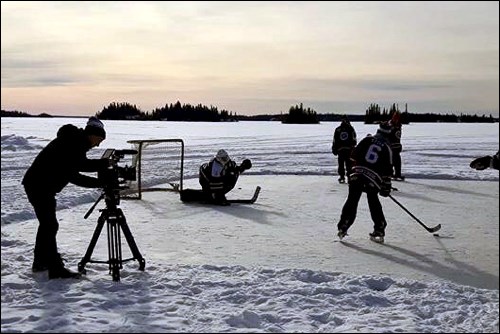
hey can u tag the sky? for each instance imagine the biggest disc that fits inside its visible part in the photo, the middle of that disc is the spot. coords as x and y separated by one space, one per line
75 58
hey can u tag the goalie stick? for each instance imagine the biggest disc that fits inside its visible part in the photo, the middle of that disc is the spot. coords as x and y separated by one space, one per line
247 201
196 195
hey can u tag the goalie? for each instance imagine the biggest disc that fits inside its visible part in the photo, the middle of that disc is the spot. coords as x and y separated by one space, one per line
217 177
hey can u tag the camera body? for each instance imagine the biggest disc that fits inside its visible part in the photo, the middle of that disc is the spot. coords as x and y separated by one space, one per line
115 175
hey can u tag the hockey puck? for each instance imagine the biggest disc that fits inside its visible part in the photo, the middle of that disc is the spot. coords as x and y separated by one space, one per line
436 234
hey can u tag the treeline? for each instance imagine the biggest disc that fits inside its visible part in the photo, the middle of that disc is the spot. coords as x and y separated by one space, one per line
374 115
15 113
170 112
297 114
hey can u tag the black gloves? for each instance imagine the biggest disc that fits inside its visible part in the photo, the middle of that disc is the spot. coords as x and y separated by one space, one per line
481 163
246 164
385 189
334 151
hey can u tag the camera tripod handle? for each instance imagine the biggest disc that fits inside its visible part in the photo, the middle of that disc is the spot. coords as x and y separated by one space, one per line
93 206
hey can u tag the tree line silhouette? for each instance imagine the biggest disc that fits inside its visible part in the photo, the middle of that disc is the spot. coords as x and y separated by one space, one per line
297 114
169 112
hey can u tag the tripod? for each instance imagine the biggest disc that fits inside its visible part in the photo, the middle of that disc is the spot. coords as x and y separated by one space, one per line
115 219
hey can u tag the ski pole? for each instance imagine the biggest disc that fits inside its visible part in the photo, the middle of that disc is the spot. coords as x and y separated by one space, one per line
429 229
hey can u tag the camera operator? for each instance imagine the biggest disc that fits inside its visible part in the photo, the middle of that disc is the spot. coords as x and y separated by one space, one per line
59 163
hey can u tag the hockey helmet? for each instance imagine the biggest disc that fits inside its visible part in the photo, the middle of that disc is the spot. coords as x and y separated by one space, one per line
222 157
384 128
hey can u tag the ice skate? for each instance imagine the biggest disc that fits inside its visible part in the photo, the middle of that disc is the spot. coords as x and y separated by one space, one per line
341 234
377 237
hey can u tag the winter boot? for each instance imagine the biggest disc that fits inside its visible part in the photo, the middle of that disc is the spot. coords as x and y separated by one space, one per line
62 273
57 270
39 266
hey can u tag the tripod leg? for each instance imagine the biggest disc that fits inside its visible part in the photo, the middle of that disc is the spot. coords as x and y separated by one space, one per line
93 242
131 242
114 248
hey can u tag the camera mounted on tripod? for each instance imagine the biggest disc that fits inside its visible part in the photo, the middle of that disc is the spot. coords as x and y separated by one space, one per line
115 176
112 179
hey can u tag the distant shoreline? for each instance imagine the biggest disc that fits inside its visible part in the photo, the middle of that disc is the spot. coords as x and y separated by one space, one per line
269 118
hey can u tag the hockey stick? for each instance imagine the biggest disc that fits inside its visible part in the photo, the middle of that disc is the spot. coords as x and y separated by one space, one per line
247 201
429 229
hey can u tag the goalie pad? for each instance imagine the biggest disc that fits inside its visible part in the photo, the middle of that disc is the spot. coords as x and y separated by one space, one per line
193 195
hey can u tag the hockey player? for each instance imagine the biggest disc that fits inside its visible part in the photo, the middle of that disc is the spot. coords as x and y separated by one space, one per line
396 146
219 176
371 173
344 140
485 162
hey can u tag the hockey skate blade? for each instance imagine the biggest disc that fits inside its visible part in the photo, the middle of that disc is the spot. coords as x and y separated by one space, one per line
341 235
378 240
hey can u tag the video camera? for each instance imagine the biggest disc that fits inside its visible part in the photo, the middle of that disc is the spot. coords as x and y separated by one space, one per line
114 176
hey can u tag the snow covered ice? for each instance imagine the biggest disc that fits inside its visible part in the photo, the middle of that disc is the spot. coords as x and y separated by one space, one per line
277 265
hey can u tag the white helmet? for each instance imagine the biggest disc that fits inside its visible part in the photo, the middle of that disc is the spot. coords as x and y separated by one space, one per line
222 157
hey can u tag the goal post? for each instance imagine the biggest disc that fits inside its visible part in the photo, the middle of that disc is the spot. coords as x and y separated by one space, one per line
159 166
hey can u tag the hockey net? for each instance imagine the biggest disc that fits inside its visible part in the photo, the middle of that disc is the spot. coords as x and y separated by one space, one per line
159 165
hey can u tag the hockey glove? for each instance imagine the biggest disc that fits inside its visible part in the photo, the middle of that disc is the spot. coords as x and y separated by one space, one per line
385 189
246 164
481 163
334 151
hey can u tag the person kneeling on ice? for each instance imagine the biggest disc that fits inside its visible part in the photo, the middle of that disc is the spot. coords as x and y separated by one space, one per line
371 173
219 176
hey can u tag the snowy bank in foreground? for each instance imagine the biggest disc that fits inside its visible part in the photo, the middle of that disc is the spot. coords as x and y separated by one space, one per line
185 298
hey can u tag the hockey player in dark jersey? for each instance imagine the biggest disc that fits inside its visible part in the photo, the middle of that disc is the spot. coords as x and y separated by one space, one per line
371 174
344 140
219 176
396 146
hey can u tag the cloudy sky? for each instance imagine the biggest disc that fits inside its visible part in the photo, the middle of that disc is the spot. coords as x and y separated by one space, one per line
74 58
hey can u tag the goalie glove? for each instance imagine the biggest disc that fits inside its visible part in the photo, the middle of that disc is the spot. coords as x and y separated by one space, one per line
245 164
481 163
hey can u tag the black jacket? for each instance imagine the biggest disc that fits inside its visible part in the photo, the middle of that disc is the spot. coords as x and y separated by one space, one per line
495 161
344 138
372 161
224 182
61 162
395 138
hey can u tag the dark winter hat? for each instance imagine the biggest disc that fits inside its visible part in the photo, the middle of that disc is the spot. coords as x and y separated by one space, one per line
95 127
